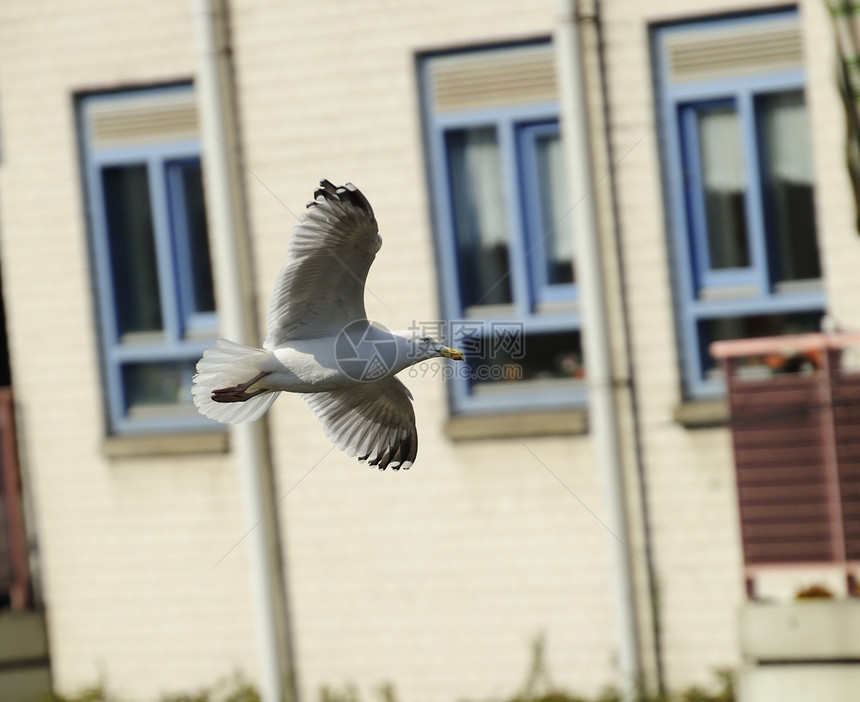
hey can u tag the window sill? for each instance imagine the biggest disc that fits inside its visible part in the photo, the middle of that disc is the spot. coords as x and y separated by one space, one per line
510 425
166 444
701 414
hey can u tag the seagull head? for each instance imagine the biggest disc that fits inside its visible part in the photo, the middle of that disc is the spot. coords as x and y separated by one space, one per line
423 347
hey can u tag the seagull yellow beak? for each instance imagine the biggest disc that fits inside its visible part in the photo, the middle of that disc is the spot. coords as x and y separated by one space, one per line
453 354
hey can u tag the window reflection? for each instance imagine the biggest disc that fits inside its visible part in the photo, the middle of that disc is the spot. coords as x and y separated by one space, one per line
725 183
132 248
480 216
557 239
789 186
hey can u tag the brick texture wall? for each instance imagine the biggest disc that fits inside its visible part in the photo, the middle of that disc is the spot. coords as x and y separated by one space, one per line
436 580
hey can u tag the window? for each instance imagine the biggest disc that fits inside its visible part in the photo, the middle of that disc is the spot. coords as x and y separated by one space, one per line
739 184
141 158
503 236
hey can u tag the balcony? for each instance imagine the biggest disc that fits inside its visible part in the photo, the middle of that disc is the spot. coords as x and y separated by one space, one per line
24 667
794 409
15 590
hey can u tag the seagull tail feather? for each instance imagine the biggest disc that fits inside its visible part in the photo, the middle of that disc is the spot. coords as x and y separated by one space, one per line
228 372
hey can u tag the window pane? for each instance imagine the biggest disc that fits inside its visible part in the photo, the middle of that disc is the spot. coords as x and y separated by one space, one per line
480 216
724 181
557 239
789 183
165 383
132 248
194 218
533 357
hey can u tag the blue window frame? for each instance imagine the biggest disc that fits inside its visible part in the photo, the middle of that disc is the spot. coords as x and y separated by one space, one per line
739 184
153 276
504 243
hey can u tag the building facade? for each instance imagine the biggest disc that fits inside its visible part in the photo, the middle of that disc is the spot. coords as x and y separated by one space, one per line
723 209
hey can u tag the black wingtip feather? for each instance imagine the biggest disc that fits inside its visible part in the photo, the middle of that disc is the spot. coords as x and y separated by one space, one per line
404 451
345 193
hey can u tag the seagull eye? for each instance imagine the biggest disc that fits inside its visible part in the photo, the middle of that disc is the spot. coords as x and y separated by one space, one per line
424 339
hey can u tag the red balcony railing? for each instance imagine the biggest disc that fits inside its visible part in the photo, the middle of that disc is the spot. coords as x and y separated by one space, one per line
794 407
15 588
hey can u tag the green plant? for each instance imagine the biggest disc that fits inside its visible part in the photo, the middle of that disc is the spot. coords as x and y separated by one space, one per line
95 693
538 687
232 689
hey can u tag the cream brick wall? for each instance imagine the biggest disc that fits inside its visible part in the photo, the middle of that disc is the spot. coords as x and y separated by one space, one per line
435 580
126 546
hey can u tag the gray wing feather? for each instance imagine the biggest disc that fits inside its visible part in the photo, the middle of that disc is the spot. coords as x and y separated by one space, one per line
374 421
321 288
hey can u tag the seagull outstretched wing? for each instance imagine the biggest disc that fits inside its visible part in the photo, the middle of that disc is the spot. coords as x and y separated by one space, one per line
321 287
374 421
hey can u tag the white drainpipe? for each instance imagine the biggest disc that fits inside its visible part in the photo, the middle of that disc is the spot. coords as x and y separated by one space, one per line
603 419
237 319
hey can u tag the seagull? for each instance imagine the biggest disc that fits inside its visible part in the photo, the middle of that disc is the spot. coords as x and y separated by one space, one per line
321 345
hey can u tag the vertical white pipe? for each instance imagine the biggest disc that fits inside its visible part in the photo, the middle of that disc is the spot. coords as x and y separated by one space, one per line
237 318
603 419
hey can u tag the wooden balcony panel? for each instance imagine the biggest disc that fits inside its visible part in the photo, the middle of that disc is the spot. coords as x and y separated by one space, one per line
786 531
763 413
790 548
798 434
850 489
788 542
788 495
779 473
796 439
15 583
850 507
777 383
847 382
810 521
781 511
751 475
772 552
849 449
785 419
804 434
847 422
849 463
790 388
773 456
851 519
846 390
852 539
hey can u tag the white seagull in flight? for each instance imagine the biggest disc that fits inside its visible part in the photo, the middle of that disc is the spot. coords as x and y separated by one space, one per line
321 344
